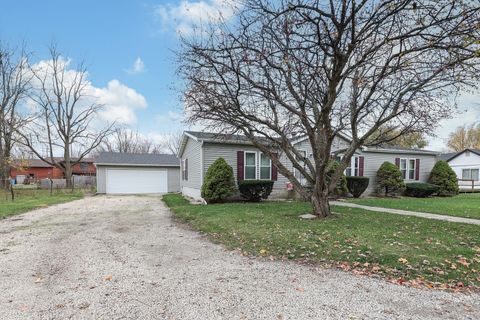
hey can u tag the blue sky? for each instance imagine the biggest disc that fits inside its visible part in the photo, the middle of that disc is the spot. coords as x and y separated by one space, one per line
109 36
113 37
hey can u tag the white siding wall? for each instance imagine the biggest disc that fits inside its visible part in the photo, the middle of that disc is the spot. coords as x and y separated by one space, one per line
101 179
374 160
192 152
463 161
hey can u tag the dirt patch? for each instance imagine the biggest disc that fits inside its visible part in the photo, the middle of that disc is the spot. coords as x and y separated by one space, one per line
124 257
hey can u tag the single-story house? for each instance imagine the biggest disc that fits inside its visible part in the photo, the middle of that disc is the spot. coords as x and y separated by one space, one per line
129 173
36 169
198 150
466 165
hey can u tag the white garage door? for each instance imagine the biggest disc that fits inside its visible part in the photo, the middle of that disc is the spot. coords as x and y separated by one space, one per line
136 180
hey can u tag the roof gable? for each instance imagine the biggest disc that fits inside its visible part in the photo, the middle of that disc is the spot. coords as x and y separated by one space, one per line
450 156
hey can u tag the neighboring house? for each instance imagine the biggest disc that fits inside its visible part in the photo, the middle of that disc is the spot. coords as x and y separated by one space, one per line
128 173
466 165
36 169
199 150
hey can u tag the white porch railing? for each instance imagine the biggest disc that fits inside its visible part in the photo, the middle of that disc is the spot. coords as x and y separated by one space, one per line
468 185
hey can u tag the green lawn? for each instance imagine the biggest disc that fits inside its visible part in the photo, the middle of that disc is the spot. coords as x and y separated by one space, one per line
400 248
28 199
464 205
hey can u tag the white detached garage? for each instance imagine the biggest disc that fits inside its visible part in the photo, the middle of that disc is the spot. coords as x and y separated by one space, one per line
128 173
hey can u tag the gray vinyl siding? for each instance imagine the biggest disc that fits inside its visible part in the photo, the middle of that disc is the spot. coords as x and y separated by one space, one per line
192 152
374 160
173 176
338 143
101 179
213 151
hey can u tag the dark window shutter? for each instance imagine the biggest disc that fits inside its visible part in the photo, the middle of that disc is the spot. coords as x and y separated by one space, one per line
240 164
417 169
186 169
361 165
274 169
397 162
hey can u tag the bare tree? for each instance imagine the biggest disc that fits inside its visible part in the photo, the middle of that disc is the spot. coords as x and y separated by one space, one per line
14 87
65 115
172 142
466 136
125 140
318 68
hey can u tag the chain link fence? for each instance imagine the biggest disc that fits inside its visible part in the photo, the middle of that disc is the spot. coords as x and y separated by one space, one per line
11 189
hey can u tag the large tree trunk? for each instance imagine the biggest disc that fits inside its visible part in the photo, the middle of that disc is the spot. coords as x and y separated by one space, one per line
319 199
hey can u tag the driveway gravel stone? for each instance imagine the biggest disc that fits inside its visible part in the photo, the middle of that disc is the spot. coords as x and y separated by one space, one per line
124 257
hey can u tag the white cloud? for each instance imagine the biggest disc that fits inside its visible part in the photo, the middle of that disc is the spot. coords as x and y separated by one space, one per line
120 101
468 113
169 117
138 66
185 17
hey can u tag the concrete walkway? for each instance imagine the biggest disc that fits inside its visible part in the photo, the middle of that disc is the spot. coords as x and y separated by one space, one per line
407 213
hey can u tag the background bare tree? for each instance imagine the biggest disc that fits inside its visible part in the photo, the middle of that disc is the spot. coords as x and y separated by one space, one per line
466 136
125 140
14 87
392 137
65 112
172 142
319 67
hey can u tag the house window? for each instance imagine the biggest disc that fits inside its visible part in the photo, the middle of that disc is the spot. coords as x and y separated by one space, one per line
354 167
403 168
83 166
185 169
265 167
470 174
407 168
250 165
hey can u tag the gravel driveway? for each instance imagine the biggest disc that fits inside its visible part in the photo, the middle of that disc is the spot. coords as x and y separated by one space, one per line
124 258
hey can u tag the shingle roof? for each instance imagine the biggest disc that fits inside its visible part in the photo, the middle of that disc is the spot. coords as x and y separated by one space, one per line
31 163
219 137
399 150
145 159
449 156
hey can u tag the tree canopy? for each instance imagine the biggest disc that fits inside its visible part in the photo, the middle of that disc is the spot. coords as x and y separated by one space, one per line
319 68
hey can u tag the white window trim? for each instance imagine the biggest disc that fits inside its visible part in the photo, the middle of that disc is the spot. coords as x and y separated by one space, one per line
245 165
260 167
407 168
354 170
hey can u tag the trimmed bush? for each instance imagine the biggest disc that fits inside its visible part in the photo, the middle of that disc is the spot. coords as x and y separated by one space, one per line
389 180
219 182
255 190
357 185
443 176
341 187
420 189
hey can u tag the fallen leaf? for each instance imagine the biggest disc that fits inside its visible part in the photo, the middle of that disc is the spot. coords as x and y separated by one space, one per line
403 260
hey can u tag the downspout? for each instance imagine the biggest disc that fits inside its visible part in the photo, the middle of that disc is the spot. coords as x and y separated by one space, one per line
202 169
